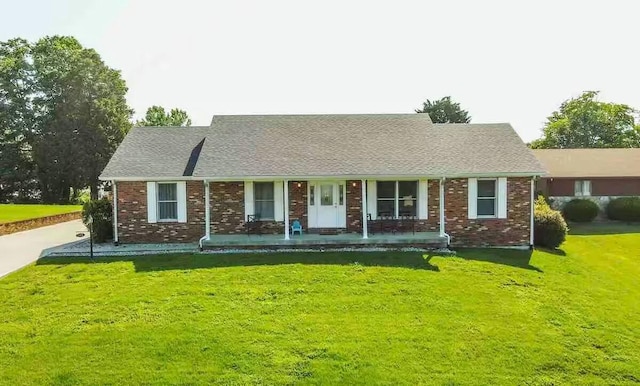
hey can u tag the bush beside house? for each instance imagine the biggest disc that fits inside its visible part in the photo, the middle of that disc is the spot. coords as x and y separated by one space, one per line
550 228
580 210
102 213
624 209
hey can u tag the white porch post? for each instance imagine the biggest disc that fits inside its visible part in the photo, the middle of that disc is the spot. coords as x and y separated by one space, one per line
365 225
207 210
286 209
115 212
442 207
531 225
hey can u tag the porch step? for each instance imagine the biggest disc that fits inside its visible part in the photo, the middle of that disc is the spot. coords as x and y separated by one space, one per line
426 240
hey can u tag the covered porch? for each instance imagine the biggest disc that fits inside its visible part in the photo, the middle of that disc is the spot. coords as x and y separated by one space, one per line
320 241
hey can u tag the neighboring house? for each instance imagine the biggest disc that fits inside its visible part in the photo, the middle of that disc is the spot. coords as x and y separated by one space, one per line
355 178
598 174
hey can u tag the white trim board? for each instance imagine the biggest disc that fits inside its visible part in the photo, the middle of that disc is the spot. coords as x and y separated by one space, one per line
324 178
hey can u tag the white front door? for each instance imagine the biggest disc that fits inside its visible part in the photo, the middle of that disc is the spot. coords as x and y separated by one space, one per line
327 207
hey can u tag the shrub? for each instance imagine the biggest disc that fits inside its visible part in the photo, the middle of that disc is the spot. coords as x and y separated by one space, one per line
102 213
624 209
580 210
550 229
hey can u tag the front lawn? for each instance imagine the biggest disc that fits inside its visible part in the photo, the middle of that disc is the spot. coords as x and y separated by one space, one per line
484 317
17 212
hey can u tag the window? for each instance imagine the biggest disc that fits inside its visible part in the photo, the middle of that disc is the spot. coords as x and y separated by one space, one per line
582 188
386 198
397 198
264 200
167 202
407 198
487 198
312 194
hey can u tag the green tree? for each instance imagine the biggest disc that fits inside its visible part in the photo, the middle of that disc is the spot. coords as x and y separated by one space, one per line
156 116
585 122
16 121
445 111
67 110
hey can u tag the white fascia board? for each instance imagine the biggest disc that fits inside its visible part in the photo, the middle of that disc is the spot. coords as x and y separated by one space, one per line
324 178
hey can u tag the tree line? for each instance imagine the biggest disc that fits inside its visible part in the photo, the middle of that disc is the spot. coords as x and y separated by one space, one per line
63 112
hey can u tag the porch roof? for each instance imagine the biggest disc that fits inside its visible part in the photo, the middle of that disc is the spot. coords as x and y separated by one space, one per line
263 146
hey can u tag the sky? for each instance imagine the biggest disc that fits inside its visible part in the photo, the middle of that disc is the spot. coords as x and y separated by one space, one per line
503 61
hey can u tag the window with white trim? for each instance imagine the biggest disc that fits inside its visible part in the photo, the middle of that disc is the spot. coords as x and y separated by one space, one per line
582 188
264 200
167 201
487 198
397 198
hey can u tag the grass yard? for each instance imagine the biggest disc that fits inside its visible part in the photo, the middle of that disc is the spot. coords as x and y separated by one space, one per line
483 317
17 212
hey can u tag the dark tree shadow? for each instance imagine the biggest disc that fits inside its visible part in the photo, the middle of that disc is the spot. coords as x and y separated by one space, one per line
517 258
557 251
603 228
186 261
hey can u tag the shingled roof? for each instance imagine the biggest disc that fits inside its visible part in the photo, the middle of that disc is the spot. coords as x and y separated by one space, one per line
570 163
299 146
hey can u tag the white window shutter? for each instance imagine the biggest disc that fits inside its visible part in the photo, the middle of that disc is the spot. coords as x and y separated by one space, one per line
587 188
152 203
182 201
423 199
372 199
472 202
278 200
502 197
248 199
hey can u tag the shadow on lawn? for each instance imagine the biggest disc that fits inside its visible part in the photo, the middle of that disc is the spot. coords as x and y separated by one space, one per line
413 260
512 257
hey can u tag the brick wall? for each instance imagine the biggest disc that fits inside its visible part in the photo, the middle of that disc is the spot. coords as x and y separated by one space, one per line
298 203
354 206
228 217
512 231
132 216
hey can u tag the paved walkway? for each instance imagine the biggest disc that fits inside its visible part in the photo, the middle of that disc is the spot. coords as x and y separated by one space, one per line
23 248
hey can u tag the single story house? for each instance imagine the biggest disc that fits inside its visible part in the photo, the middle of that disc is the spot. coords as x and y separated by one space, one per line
344 179
598 174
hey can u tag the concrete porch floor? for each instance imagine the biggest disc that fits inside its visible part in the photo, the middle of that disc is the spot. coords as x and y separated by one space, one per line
421 239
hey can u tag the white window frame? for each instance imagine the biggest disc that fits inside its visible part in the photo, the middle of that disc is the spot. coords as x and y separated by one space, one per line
585 188
494 198
396 199
158 201
255 199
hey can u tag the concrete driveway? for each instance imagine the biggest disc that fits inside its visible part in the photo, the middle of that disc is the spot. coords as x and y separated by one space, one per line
23 248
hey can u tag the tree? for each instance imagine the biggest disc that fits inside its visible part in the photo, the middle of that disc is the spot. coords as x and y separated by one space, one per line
585 122
445 111
73 114
16 121
156 116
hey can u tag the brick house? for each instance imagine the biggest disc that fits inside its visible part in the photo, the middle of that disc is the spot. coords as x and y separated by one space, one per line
597 174
346 179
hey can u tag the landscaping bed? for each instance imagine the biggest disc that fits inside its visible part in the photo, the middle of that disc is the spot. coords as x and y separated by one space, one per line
483 317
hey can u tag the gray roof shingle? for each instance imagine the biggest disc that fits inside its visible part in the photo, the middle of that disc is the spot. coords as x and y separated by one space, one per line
293 146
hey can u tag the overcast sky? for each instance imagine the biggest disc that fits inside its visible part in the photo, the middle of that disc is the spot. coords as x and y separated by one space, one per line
504 61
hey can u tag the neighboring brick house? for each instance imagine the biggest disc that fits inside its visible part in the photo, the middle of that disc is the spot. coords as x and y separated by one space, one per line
338 175
597 174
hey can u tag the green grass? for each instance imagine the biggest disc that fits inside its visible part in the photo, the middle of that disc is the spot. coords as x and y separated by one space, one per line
17 212
483 317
